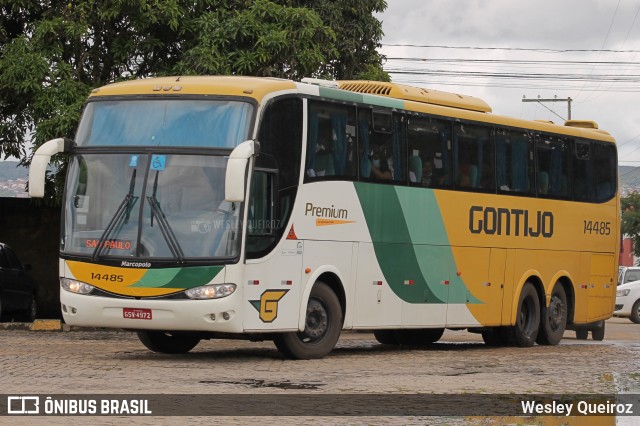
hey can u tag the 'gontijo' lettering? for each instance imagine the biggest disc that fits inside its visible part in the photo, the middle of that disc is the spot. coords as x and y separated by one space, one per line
510 222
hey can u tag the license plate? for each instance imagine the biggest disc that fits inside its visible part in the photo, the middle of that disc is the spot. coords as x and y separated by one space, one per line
136 313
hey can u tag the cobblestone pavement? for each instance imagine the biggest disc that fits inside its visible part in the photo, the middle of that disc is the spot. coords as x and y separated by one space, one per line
103 362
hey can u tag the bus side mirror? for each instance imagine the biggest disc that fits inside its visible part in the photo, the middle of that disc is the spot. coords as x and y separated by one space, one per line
40 161
235 178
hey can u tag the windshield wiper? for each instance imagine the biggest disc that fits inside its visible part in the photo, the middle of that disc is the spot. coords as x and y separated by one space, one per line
165 228
124 210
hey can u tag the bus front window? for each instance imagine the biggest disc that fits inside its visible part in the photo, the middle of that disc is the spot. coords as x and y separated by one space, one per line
149 206
165 122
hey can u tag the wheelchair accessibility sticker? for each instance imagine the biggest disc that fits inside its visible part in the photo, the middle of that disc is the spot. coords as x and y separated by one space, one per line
158 162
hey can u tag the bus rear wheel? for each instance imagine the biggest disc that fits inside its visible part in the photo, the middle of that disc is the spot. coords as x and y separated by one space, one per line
554 318
419 336
598 332
168 342
525 330
323 324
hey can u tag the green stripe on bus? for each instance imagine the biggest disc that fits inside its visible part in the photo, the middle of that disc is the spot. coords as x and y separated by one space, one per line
178 277
423 255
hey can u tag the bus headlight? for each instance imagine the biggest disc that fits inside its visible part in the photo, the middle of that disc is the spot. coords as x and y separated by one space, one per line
75 286
622 293
212 291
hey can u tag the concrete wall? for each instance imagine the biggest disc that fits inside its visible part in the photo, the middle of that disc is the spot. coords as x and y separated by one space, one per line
34 233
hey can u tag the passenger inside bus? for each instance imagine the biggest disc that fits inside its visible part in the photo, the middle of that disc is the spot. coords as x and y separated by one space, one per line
468 177
380 167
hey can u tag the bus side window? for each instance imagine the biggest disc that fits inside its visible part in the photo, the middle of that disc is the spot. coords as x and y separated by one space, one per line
276 176
514 161
582 172
605 168
429 142
381 146
331 142
473 157
553 166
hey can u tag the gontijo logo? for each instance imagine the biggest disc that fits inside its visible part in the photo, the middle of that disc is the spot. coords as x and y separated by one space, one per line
510 222
327 215
268 304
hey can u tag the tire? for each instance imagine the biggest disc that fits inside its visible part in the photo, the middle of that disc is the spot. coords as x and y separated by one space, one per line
635 312
598 333
582 334
168 342
386 337
418 337
323 324
29 314
525 331
494 337
553 318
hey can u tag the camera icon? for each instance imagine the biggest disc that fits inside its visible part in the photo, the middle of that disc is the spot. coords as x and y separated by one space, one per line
201 226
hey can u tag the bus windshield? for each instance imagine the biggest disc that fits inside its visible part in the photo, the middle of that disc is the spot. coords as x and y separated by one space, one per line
165 122
146 206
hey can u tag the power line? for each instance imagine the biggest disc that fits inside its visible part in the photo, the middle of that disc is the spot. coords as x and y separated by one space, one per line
521 76
521 49
505 84
509 61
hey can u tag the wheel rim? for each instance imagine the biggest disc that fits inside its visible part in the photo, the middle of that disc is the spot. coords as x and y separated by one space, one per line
317 322
556 313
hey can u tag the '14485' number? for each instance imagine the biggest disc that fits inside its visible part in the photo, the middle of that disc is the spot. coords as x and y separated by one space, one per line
598 228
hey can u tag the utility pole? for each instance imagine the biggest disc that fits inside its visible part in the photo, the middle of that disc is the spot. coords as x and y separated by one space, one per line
555 99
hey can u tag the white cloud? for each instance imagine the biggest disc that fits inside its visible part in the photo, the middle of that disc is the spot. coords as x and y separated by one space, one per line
543 24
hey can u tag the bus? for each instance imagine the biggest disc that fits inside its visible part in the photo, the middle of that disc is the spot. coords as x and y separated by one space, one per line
267 209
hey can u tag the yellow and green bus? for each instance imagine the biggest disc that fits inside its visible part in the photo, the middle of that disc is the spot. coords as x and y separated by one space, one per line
241 207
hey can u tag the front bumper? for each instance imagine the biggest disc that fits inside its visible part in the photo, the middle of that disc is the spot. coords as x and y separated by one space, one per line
218 315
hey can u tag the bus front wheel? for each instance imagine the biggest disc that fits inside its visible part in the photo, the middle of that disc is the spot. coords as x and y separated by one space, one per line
323 324
554 318
167 342
525 330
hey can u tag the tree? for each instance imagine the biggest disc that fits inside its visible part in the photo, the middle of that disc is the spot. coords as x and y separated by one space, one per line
53 53
630 225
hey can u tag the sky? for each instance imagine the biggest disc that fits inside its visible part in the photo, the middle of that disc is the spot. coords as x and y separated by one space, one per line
504 50
588 50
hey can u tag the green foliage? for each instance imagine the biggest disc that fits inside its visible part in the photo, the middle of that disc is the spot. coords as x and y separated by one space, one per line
630 224
53 53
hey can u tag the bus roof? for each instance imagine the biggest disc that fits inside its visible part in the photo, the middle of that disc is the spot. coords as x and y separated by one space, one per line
252 87
371 92
417 94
